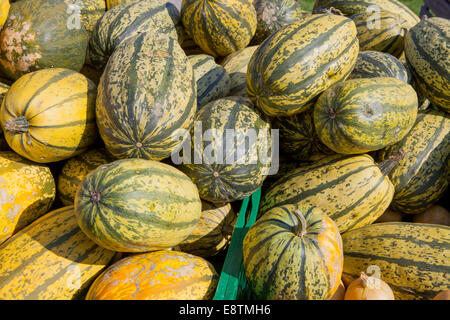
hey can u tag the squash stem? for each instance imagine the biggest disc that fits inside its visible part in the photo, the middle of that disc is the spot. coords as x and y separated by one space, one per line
387 165
95 197
300 230
16 125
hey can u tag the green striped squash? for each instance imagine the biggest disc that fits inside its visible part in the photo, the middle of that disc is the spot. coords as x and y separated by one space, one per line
75 169
278 82
224 172
361 115
146 96
213 232
212 79
3 90
427 50
236 66
372 64
157 17
351 7
137 205
51 259
386 33
293 253
351 190
30 40
412 258
219 27
272 15
421 177
298 137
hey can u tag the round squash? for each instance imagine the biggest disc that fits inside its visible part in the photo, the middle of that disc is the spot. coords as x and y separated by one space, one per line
127 20
27 191
75 169
434 215
212 79
224 171
372 64
213 232
390 216
443 295
137 205
51 259
293 253
361 115
278 82
427 51
131 128
159 275
30 40
49 115
219 27
4 10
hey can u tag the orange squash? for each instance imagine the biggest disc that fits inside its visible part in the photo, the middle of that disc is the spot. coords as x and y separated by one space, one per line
435 215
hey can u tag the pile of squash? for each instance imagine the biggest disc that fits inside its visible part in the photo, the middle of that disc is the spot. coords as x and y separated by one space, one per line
106 193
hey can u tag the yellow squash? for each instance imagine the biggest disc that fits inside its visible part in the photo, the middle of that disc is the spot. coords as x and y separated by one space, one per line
4 10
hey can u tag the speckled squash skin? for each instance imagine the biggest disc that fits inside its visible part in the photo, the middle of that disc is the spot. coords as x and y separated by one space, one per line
213 232
412 257
27 191
127 20
219 27
285 258
272 15
49 115
361 115
3 90
351 190
236 66
351 7
30 41
112 3
212 79
427 51
388 36
4 10
421 177
75 169
283 77
51 259
230 176
372 64
154 70
90 12
137 205
159 275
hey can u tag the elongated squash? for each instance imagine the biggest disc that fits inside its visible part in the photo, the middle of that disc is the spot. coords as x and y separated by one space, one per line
411 258
352 190
51 259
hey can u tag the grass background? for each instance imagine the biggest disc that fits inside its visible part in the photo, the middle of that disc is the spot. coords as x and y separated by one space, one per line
414 5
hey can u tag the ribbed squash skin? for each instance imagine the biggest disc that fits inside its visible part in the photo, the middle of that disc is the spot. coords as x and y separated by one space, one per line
280 264
372 64
49 115
127 20
387 37
236 66
213 232
4 10
3 90
137 205
159 275
75 169
219 27
154 70
212 79
351 7
412 257
351 190
51 259
298 137
361 115
31 41
421 177
427 50
272 15
27 191
278 82
222 178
